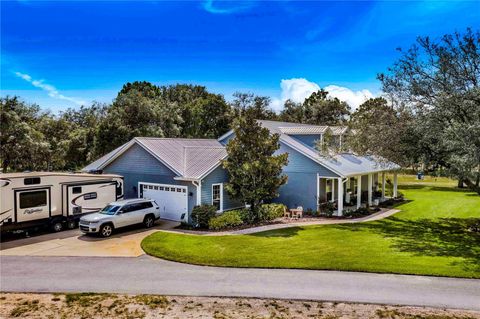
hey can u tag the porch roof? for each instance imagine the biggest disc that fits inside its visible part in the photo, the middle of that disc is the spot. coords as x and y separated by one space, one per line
344 165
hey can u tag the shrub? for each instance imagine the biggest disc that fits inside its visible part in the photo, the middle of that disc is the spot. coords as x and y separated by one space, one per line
271 211
202 214
348 213
362 211
226 220
327 208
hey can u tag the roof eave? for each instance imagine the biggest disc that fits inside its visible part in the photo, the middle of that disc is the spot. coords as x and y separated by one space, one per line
225 135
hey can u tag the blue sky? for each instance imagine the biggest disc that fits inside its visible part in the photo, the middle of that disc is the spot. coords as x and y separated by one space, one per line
63 53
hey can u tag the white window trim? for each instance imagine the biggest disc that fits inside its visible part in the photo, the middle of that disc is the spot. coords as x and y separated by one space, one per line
221 196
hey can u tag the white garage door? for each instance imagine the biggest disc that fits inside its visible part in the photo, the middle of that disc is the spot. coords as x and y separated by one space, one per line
172 199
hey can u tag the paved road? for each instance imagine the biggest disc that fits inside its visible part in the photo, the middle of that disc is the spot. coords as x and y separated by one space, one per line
146 274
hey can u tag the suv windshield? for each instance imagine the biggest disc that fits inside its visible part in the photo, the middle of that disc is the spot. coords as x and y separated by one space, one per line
109 210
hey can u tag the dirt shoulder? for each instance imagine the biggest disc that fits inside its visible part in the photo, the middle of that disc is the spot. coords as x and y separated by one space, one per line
90 305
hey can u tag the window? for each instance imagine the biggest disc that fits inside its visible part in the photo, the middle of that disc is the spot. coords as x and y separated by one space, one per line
77 190
172 189
33 199
217 196
145 205
128 208
90 196
167 189
31 181
179 190
118 189
161 188
109 210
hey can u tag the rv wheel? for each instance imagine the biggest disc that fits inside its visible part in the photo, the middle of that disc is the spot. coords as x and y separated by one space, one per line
57 226
71 224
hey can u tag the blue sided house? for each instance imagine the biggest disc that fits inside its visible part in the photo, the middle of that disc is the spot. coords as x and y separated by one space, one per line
181 173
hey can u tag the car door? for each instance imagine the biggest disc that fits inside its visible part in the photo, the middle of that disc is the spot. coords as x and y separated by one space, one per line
135 214
123 216
141 212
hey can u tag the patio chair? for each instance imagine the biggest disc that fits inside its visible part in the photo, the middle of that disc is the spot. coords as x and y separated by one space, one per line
298 212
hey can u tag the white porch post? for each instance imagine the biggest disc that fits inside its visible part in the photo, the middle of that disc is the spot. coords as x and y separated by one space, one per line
333 190
395 185
370 186
340 197
318 192
359 191
383 186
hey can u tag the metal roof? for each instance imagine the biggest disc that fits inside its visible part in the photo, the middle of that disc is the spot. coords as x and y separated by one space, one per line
338 130
345 164
188 158
193 159
306 130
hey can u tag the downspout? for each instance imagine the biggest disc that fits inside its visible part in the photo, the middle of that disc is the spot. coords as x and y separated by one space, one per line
198 185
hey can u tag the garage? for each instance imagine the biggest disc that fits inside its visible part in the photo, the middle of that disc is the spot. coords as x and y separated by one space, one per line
172 199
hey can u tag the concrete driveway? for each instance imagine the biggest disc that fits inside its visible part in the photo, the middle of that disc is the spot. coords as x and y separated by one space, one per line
71 243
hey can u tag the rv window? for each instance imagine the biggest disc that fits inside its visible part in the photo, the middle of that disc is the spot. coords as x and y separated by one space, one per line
90 196
77 190
31 181
118 189
33 199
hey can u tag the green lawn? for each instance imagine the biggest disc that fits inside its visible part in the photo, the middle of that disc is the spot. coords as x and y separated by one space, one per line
429 236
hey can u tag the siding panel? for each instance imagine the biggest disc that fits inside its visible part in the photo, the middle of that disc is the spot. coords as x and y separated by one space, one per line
309 140
218 175
137 165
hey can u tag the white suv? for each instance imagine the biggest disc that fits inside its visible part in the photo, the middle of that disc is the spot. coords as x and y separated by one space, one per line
120 214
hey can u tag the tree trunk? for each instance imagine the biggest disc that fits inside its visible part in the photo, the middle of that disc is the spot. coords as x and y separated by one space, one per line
472 186
460 182
5 166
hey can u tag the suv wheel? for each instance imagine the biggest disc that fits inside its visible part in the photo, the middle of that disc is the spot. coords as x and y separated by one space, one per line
148 221
106 230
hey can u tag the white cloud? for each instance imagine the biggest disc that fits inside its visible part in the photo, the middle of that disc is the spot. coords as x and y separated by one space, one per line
209 7
298 89
50 89
353 98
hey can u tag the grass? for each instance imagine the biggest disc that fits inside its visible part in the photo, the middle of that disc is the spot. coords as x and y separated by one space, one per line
430 236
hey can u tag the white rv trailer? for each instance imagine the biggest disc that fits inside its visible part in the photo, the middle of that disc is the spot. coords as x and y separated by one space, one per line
54 199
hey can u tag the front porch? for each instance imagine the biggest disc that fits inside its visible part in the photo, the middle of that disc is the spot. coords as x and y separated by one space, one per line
355 191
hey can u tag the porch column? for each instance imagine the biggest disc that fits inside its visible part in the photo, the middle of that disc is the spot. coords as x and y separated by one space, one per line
395 185
359 191
318 192
383 186
370 186
333 190
340 197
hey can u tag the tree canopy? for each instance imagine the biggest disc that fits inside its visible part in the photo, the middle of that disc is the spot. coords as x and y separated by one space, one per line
317 109
437 81
255 173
